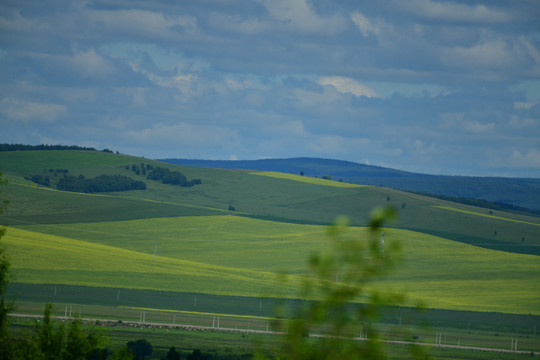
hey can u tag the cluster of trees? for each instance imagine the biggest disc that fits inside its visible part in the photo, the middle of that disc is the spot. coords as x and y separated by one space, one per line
49 339
164 175
171 177
55 172
39 179
21 147
140 169
46 179
109 183
74 340
326 177
142 349
101 183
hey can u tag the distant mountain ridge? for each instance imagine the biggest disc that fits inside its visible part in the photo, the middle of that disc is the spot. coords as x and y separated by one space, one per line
522 192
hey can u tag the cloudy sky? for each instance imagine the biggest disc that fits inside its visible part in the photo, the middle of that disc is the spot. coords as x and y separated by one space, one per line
446 87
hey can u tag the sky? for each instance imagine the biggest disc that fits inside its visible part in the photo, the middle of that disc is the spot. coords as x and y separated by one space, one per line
438 87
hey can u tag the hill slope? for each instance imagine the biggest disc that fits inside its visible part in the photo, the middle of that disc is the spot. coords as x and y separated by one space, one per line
515 191
178 232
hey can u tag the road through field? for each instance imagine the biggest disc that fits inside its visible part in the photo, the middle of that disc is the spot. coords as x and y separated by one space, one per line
144 324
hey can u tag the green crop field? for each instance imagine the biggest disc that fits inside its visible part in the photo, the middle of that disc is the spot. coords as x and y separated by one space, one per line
242 256
43 258
168 248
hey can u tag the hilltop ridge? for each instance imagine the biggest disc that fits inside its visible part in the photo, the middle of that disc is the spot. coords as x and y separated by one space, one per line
520 192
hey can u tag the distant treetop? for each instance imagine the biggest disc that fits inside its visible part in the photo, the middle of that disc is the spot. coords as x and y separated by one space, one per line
22 147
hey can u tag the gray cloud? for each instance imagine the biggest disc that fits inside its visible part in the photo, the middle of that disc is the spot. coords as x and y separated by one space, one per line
429 86
456 11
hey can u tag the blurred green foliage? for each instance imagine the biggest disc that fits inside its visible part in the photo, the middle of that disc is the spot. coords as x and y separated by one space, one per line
339 322
5 306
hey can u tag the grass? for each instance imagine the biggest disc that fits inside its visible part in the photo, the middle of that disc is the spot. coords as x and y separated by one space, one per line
34 162
308 180
487 215
284 199
243 256
42 258
32 204
80 243
114 303
216 342
235 241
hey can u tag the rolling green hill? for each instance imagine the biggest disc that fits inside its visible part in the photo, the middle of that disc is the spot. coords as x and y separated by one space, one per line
499 191
188 239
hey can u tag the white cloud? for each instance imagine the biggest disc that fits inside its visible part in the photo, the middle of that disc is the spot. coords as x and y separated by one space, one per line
289 16
457 122
381 29
525 104
490 54
348 85
308 99
328 144
14 22
451 11
529 159
142 23
30 112
80 65
363 23
139 98
478 127
89 64
184 82
422 149
258 75
239 24
186 136
239 83
532 52
235 84
293 128
520 123
336 145
298 15
136 94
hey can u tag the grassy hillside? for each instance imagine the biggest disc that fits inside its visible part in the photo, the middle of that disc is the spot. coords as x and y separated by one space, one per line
241 256
43 258
515 191
455 256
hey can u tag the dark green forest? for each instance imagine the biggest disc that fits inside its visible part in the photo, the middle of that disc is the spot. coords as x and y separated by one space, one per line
171 177
101 183
108 183
22 147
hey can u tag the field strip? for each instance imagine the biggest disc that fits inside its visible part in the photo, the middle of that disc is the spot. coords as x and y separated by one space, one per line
177 204
309 180
73 227
484 215
132 198
200 313
44 251
144 324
